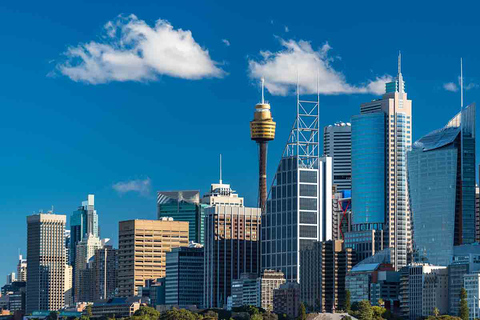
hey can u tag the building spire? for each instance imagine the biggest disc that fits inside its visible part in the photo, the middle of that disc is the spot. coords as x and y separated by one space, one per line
399 62
263 89
461 83
220 168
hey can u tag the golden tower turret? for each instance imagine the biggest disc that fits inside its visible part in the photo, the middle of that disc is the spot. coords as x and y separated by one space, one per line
262 130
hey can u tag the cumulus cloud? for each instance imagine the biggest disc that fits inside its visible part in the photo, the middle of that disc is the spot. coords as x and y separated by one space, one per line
226 42
140 186
280 70
132 50
450 86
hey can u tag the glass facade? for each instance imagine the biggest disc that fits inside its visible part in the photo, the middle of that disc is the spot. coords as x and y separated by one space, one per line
183 206
441 172
368 169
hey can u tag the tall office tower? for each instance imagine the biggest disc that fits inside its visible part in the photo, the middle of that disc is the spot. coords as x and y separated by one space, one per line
477 214
183 206
341 214
22 268
68 285
337 143
324 267
83 275
381 137
184 280
105 269
231 243
142 248
262 130
441 174
46 262
83 222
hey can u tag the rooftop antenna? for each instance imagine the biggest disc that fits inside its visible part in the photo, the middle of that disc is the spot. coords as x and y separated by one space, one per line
399 62
461 83
220 168
263 89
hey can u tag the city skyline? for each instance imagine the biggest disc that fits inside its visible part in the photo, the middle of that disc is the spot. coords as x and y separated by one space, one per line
100 128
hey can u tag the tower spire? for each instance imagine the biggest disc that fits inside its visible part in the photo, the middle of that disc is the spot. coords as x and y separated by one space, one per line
461 83
263 89
399 62
220 168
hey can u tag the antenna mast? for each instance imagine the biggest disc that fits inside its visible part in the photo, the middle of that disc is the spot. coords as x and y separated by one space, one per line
220 168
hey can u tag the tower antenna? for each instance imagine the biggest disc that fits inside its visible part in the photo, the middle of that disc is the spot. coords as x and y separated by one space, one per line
263 89
399 62
461 83
221 168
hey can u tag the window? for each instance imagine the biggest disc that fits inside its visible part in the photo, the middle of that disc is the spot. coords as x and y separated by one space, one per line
308 190
308 204
308 176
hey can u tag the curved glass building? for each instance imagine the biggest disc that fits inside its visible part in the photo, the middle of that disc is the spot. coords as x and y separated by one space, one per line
441 174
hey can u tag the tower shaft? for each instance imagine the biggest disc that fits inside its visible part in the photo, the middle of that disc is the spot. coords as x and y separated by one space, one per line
262 174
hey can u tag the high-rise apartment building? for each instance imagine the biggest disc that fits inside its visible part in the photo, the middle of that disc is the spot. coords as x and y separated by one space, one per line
46 262
83 275
22 269
381 137
183 206
142 248
184 276
441 173
266 284
105 272
83 222
231 248
324 267
337 144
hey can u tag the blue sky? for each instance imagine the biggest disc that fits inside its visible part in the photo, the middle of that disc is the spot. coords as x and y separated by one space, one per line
153 121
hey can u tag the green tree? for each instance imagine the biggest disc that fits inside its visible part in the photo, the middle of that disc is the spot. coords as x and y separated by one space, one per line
365 311
182 314
347 304
436 312
302 312
463 305
147 313
257 316
378 312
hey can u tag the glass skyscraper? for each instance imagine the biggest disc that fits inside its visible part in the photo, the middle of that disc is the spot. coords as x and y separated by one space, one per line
396 133
183 206
441 173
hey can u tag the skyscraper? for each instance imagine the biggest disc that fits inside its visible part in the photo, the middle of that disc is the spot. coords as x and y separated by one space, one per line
105 268
142 248
83 222
46 262
231 243
381 137
184 276
183 206
83 275
337 144
441 173
22 268
299 210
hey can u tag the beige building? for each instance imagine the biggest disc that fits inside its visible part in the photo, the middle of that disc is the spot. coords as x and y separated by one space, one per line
46 262
22 269
142 247
267 283
68 285
83 274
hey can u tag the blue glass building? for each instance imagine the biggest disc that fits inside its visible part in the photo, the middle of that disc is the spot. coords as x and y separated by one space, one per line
441 173
368 170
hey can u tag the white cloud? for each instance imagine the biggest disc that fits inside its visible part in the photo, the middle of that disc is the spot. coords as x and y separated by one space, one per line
471 85
280 70
140 186
226 42
134 51
286 29
450 86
